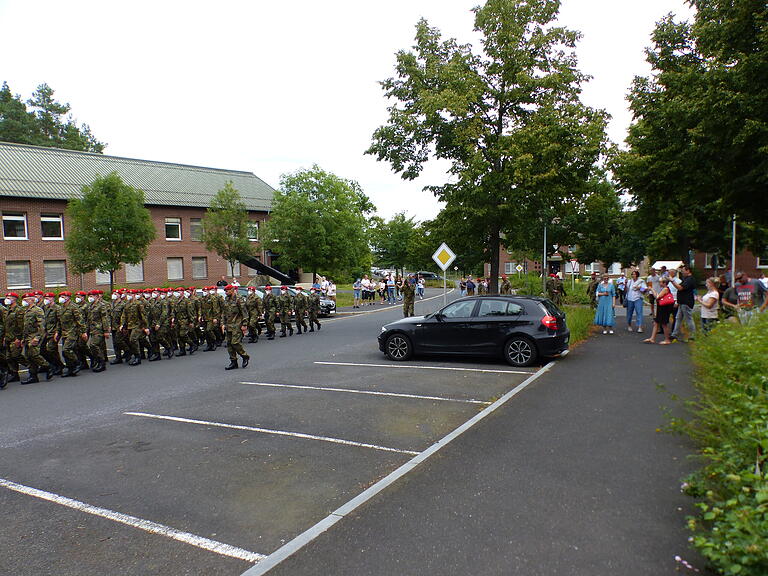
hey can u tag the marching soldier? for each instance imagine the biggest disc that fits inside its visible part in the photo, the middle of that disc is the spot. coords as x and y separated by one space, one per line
50 347
72 329
194 303
212 310
285 305
14 331
235 326
99 328
82 351
300 305
255 310
181 321
164 322
119 342
270 311
135 322
313 309
32 336
408 290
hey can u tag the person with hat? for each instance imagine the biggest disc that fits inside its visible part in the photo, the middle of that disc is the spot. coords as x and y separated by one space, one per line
255 310
14 331
71 330
408 290
555 289
313 308
210 311
284 306
164 323
50 346
235 326
119 341
99 328
83 353
300 305
183 319
32 336
134 321
506 287
270 311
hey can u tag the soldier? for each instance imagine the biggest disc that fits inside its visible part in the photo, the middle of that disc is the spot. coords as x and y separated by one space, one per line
32 336
72 329
135 322
82 351
119 342
255 309
300 305
506 287
270 311
211 313
408 290
555 289
313 309
50 347
235 325
285 305
14 330
98 325
198 328
592 289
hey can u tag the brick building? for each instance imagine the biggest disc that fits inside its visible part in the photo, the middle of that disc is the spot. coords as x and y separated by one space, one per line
35 184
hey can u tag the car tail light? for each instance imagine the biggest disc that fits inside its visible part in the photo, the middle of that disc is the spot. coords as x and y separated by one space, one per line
549 322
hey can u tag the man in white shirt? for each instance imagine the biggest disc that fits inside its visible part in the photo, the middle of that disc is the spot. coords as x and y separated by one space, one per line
653 281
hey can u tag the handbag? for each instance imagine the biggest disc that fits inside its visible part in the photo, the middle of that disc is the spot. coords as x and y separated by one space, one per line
666 300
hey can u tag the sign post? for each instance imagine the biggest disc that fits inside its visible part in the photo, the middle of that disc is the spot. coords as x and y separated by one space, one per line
444 257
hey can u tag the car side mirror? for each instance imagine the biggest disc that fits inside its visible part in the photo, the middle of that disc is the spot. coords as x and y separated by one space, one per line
439 317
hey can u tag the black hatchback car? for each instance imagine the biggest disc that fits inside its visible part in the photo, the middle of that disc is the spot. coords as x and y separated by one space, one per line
520 329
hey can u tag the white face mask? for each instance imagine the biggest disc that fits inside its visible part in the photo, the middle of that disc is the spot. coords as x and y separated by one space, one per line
162 296
186 294
175 294
91 299
114 296
129 297
154 295
48 301
24 303
63 299
78 300
8 301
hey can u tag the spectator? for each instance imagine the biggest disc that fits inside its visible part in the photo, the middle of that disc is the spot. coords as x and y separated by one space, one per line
621 286
686 297
470 286
357 288
463 286
330 290
764 281
751 297
420 288
234 282
709 305
383 290
654 287
390 289
635 292
665 304
606 301
729 303
223 282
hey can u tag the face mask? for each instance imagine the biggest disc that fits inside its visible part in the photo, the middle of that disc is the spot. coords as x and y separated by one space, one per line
114 296
24 303
48 301
91 299
186 294
78 300
63 299
8 301
129 297
154 295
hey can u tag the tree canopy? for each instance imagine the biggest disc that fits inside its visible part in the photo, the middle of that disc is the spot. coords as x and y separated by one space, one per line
319 223
109 226
46 123
508 118
392 241
225 226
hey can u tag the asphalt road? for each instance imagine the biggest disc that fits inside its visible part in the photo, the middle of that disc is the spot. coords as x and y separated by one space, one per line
178 467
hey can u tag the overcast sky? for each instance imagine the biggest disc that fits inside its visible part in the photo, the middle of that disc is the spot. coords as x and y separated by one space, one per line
273 87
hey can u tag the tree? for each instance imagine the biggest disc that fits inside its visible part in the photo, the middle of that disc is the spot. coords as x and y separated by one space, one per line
508 118
48 123
318 222
392 241
225 226
109 226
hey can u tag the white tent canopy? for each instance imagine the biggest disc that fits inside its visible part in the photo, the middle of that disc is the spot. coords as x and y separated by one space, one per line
670 264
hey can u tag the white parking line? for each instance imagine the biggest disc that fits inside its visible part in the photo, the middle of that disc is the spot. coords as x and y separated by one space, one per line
414 367
368 392
268 431
145 525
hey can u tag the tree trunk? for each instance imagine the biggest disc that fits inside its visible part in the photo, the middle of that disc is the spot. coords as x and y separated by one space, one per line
111 281
494 244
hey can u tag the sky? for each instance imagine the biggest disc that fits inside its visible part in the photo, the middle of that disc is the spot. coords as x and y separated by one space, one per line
274 87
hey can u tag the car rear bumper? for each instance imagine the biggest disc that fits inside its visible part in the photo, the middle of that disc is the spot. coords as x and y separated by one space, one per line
556 345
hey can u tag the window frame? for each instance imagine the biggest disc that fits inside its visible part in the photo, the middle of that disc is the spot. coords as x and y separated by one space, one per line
204 259
10 286
198 222
16 217
253 224
173 221
168 270
45 274
138 266
763 266
52 218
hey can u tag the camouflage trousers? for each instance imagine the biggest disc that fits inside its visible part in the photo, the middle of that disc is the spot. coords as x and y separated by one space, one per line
234 340
97 346
33 357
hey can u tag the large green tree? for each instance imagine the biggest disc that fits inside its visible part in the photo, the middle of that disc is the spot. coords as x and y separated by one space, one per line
46 123
108 226
319 223
507 116
392 241
225 226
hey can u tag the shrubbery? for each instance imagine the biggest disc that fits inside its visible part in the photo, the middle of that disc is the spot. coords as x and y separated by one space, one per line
729 425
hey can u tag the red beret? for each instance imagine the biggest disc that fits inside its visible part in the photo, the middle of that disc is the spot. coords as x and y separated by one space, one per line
65 293
49 295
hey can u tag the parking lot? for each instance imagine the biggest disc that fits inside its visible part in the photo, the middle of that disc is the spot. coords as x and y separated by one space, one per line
181 468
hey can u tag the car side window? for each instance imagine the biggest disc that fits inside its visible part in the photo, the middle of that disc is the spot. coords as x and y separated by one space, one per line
459 309
514 309
492 308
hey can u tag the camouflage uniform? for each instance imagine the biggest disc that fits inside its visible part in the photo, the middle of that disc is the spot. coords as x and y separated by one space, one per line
300 305
270 312
50 349
33 335
119 341
183 317
82 350
506 287
255 310
98 324
285 305
313 310
72 329
235 319
3 363
14 332
134 320
409 294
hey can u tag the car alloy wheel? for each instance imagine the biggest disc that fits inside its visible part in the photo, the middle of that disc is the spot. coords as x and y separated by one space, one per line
398 347
520 352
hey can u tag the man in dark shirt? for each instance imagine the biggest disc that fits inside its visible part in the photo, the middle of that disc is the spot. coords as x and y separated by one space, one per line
686 296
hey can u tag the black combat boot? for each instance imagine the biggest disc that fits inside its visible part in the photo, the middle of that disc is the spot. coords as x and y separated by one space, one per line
232 365
312 328
134 361
3 379
118 359
246 359
32 378
50 373
290 331
69 372
100 366
181 352
283 334
12 377
155 356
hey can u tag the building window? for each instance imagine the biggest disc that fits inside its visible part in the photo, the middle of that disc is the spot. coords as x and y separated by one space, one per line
175 268
615 269
134 273
762 261
196 229
173 229
55 272
18 275
509 267
102 277
253 231
233 272
52 227
14 226
199 267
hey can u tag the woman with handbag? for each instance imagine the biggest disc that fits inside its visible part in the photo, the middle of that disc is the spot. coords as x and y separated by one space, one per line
665 305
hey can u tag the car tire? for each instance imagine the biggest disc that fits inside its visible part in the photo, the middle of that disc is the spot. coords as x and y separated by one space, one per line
398 347
520 351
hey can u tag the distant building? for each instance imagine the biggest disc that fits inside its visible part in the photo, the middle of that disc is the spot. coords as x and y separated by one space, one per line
35 184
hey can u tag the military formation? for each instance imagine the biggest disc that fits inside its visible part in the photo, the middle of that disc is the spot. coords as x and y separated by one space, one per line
64 334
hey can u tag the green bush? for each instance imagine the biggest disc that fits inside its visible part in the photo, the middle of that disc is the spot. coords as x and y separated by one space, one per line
729 424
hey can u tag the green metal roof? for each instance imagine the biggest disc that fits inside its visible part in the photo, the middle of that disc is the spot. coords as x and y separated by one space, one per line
56 174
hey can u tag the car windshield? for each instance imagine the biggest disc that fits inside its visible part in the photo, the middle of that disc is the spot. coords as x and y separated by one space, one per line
461 309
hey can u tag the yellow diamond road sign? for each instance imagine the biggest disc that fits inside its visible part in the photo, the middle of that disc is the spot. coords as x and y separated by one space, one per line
444 256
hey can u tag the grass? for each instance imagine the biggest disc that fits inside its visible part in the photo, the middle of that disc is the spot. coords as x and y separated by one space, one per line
580 321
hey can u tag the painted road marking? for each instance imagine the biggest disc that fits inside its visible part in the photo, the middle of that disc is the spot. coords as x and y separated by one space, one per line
308 536
368 392
145 525
414 367
268 431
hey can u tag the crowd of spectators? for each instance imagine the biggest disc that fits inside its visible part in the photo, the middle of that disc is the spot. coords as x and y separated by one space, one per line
388 289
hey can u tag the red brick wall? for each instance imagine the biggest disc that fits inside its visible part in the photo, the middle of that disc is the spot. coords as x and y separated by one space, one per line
35 250
745 261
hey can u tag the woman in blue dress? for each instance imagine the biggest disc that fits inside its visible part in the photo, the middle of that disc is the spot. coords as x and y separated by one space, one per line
606 299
